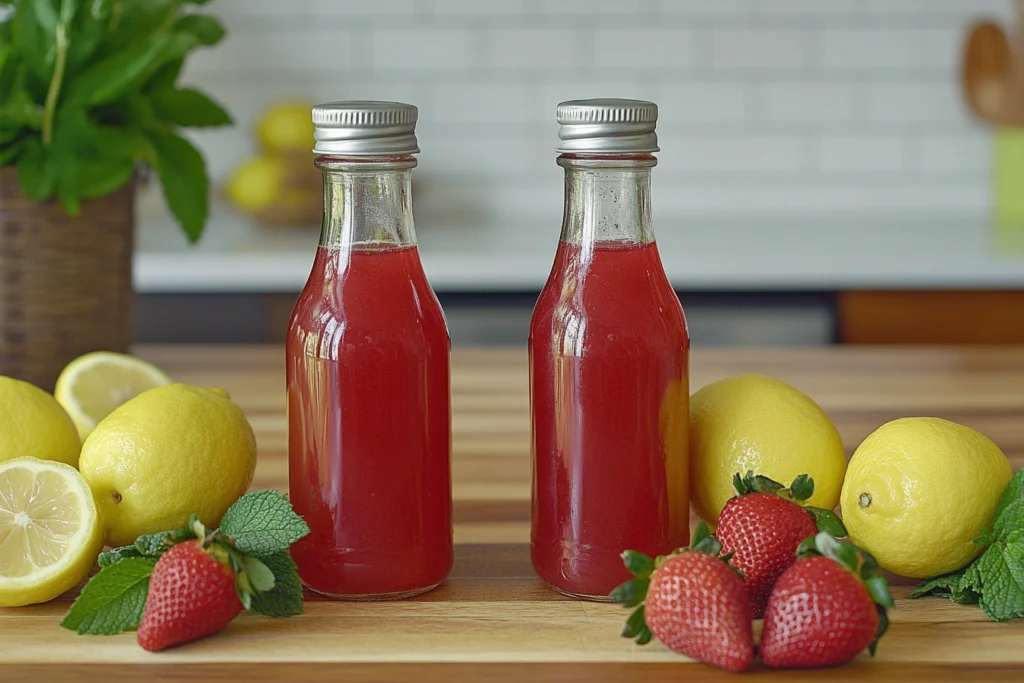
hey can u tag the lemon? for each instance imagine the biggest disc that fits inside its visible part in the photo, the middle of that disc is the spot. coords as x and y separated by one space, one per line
50 532
93 385
753 422
287 127
256 184
33 423
166 454
919 490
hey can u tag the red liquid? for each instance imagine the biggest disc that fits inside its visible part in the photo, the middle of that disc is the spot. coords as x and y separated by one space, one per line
610 397
369 426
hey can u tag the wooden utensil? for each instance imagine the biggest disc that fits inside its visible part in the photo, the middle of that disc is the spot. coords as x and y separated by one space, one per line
987 65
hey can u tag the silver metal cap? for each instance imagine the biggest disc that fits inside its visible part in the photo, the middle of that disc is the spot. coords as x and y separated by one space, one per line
607 126
364 128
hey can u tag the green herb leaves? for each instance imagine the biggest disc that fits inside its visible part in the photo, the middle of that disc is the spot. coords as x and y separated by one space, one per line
262 523
87 94
995 580
113 600
254 537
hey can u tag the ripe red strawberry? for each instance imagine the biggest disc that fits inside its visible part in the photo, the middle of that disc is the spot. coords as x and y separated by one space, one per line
826 608
764 525
191 595
696 604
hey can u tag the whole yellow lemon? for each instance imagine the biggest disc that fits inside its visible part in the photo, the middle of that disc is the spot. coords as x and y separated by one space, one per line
919 490
32 423
166 454
760 424
256 184
287 127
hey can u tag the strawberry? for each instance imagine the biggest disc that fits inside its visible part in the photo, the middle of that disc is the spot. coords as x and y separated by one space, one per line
764 525
693 601
191 595
826 608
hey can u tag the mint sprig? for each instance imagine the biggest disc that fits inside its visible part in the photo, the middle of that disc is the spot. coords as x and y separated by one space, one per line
995 580
113 600
254 537
263 522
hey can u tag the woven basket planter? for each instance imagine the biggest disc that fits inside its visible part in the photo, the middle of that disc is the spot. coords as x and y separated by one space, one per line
65 283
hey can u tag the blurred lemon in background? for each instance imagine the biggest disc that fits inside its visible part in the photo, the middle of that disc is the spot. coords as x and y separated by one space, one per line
93 385
257 183
32 423
758 423
287 126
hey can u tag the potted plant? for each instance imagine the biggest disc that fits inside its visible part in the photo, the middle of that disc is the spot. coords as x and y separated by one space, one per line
88 100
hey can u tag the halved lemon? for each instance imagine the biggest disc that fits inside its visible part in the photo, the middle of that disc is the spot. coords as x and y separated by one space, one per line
50 532
93 385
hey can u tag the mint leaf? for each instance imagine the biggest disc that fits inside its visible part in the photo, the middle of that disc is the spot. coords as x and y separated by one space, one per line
1014 492
956 586
113 600
262 523
1009 519
188 107
285 598
183 178
1002 595
115 555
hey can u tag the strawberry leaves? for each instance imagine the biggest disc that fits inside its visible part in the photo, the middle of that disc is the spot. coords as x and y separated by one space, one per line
799 491
253 539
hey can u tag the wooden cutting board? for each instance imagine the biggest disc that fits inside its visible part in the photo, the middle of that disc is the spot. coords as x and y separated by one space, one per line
493 619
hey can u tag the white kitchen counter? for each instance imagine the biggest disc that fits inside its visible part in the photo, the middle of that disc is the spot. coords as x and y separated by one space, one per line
801 253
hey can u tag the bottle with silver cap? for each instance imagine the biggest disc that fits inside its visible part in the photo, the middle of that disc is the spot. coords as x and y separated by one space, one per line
609 354
369 414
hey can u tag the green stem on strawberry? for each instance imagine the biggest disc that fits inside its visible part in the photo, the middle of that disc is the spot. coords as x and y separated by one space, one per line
862 564
632 593
799 491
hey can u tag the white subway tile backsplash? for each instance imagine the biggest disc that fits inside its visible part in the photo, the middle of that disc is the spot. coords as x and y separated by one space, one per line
968 155
807 103
420 49
704 103
757 48
915 102
890 48
361 7
862 153
483 103
260 52
551 49
766 105
643 48
589 7
475 7
739 154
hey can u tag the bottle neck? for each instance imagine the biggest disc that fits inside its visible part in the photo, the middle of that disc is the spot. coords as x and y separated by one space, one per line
607 199
367 202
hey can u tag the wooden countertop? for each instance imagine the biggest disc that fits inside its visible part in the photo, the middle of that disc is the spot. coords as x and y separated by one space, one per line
493 618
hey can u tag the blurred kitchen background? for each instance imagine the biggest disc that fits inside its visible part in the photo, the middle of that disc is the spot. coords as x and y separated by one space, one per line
821 177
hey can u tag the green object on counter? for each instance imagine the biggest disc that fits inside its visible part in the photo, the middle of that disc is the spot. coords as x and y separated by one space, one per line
1009 189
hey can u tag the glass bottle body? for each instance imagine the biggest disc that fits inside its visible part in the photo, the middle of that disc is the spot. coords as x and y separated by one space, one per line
609 387
369 411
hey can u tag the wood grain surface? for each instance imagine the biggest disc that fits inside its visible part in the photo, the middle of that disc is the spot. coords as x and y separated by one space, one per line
493 619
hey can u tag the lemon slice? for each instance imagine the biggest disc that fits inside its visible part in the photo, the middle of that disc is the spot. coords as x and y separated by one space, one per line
50 533
93 385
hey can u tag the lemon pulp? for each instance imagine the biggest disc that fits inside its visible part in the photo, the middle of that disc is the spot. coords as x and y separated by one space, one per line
49 530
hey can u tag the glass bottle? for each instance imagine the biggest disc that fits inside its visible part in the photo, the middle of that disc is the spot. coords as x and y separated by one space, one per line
369 411
609 354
